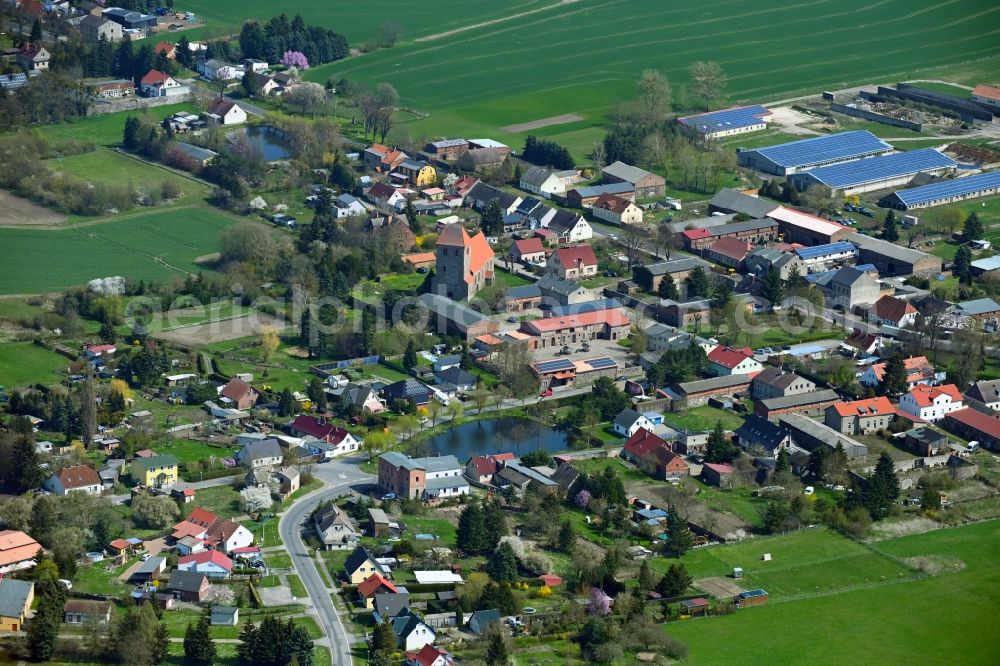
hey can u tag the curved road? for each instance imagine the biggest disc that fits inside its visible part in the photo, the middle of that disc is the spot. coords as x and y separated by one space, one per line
338 476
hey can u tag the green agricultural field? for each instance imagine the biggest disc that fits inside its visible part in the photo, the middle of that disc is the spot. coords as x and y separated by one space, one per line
116 167
152 245
581 58
106 129
23 363
885 623
702 418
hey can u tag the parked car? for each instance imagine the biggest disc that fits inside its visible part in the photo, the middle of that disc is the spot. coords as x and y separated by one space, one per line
546 393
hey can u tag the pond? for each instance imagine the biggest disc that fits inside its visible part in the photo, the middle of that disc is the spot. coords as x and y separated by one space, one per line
269 140
518 436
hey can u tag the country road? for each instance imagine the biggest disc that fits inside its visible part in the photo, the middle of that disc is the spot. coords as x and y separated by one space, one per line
338 477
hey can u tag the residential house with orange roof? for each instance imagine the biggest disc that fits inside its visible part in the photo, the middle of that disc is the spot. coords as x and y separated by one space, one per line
430 655
861 417
465 263
158 84
573 263
918 371
728 251
166 49
17 551
931 403
482 468
725 361
214 531
420 259
653 455
374 584
528 251
609 324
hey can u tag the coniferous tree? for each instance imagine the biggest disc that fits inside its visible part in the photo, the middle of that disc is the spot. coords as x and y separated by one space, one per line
675 581
773 289
25 471
781 464
719 449
502 564
973 229
497 648
43 630
817 462
495 523
471 536
567 537
199 649
679 536
667 288
697 283
890 228
963 265
646 580
881 489
491 221
894 376
410 355
286 403
411 217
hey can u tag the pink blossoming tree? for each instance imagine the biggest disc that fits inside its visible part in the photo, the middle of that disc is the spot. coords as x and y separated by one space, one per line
295 59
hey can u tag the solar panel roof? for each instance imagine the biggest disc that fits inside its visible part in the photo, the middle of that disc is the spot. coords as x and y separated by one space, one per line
816 150
949 188
879 168
829 248
555 365
717 121
602 362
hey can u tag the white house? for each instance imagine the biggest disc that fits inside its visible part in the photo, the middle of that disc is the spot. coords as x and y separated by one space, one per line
158 84
616 210
347 206
335 528
931 403
214 69
224 112
629 421
570 226
263 453
726 361
339 438
412 633
541 181
212 563
78 478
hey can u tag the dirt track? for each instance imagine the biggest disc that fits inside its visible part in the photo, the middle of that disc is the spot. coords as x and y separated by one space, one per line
543 122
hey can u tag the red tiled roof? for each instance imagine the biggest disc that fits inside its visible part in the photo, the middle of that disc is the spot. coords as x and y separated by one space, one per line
880 406
428 655
315 427
728 357
611 202
551 580
613 318
184 529
644 444
529 246
378 148
720 468
236 389
166 48
99 349
16 547
730 247
221 107
374 583
988 425
78 476
214 556
489 464
154 77
576 255
916 366
696 234
455 235
989 92
202 517
924 396
893 309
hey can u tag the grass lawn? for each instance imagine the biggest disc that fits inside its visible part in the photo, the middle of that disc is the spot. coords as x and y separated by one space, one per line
148 245
507 280
439 527
189 450
310 626
222 500
304 489
23 363
298 589
702 418
18 310
321 656
120 168
598 465
402 281
101 578
889 622
265 532
738 501
177 621
106 129
278 560
945 88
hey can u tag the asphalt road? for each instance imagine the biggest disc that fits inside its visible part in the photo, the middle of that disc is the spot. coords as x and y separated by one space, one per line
339 476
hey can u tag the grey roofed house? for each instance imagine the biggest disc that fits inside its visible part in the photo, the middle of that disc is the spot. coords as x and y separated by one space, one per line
728 200
265 448
884 247
13 81
976 307
758 431
626 418
586 306
712 384
566 476
508 476
149 568
407 389
800 399
625 172
225 616
701 223
482 619
14 596
356 394
986 392
334 527
809 434
532 474
457 378
564 221
198 153
550 282
359 556
609 188
430 463
675 266
185 581
779 378
847 276
536 176
390 604
451 310
523 292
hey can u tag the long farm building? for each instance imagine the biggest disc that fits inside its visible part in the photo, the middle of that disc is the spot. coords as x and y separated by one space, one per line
784 159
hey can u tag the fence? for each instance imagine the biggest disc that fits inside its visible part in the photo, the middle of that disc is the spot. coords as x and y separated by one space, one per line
136 104
876 117
967 110
324 370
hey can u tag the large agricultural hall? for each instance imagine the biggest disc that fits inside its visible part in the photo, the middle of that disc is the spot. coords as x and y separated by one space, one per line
784 159
876 173
944 192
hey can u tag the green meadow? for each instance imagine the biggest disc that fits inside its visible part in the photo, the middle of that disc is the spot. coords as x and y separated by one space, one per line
154 245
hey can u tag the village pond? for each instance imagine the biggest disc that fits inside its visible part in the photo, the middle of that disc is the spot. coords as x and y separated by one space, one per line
270 140
500 435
